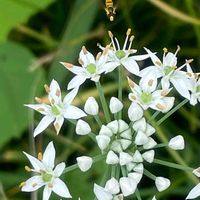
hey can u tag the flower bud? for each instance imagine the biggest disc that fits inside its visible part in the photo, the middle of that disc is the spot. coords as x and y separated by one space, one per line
150 130
136 176
141 138
102 141
149 156
197 172
128 185
105 131
140 125
101 193
115 105
91 106
177 143
126 134
130 166
112 186
82 127
112 158
84 163
135 112
113 126
137 157
123 126
125 158
116 146
125 143
150 144
139 168
162 183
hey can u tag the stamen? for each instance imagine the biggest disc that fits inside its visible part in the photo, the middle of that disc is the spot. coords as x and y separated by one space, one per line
52 101
98 56
165 50
27 168
39 156
41 109
80 61
189 61
110 34
112 41
105 51
22 184
118 47
38 100
158 63
126 40
47 89
84 50
130 82
131 41
128 32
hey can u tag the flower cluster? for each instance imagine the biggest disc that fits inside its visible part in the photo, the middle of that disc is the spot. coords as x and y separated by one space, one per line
127 141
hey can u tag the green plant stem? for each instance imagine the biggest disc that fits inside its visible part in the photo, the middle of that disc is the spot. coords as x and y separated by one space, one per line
137 193
103 101
173 165
171 112
92 136
113 171
120 86
149 174
98 120
153 116
124 171
75 166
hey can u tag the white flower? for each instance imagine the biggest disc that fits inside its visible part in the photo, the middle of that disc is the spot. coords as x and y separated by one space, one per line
82 127
135 112
112 158
112 186
194 193
46 174
115 105
195 91
136 176
84 163
197 172
102 141
125 158
57 110
162 183
149 156
91 106
120 56
91 68
127 185
168 71
146 95
177 143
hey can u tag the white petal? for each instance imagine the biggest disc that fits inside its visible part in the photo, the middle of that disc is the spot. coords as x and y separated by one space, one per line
91 106
126 134
110 66
86 57
82 127
72 112
41 108
141 138
84 163
46 192
137 157
136 176
43 124
112 186
140 57
153 57
151 69
59 169
194 193
128 185
105 131
131 65
33 184
135 112
150 144
154 198
115 105
116 146
76 82
58 123
60 188
162 183
165 82
70 96
37 165
54 93
75 69
113 126
49 156
101 193
102 141
139 168
112 158
150 130
140 125
149 156
177 143
125 143
148 83
125 158
122 126
197 172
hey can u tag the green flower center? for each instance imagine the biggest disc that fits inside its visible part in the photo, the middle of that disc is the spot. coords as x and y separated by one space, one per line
168 69
91 68
46 177
198 88
120 54
55 110
146 97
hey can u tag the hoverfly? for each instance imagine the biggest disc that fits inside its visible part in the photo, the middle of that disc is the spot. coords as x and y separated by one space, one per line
110 9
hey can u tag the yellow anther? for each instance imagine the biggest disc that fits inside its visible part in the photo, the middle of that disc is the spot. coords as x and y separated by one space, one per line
46 87
38 100
111 18
110 34
189 61
39 156
165 50
22 184
40 109
132 38
27 168
178 48
128 31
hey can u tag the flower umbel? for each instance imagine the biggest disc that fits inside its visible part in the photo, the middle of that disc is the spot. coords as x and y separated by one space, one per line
47 174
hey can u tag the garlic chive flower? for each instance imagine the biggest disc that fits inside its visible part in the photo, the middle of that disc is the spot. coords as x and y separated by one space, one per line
147 96
122 56
168 71
90 68
58 110
46 174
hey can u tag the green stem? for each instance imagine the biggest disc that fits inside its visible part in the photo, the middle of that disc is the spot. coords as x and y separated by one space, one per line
137 193
124 171
120 86
171 112
153 116
92 136
173 165
75 166
149 174
98 120
103 101
113 171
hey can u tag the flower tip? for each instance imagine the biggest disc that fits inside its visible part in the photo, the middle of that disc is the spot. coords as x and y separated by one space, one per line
47 89
128 31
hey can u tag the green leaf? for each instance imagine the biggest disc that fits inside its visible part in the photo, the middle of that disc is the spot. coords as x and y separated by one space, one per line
17 84
15 12
82 17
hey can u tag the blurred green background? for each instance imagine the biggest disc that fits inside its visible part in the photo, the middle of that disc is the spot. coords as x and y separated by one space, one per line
35 35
